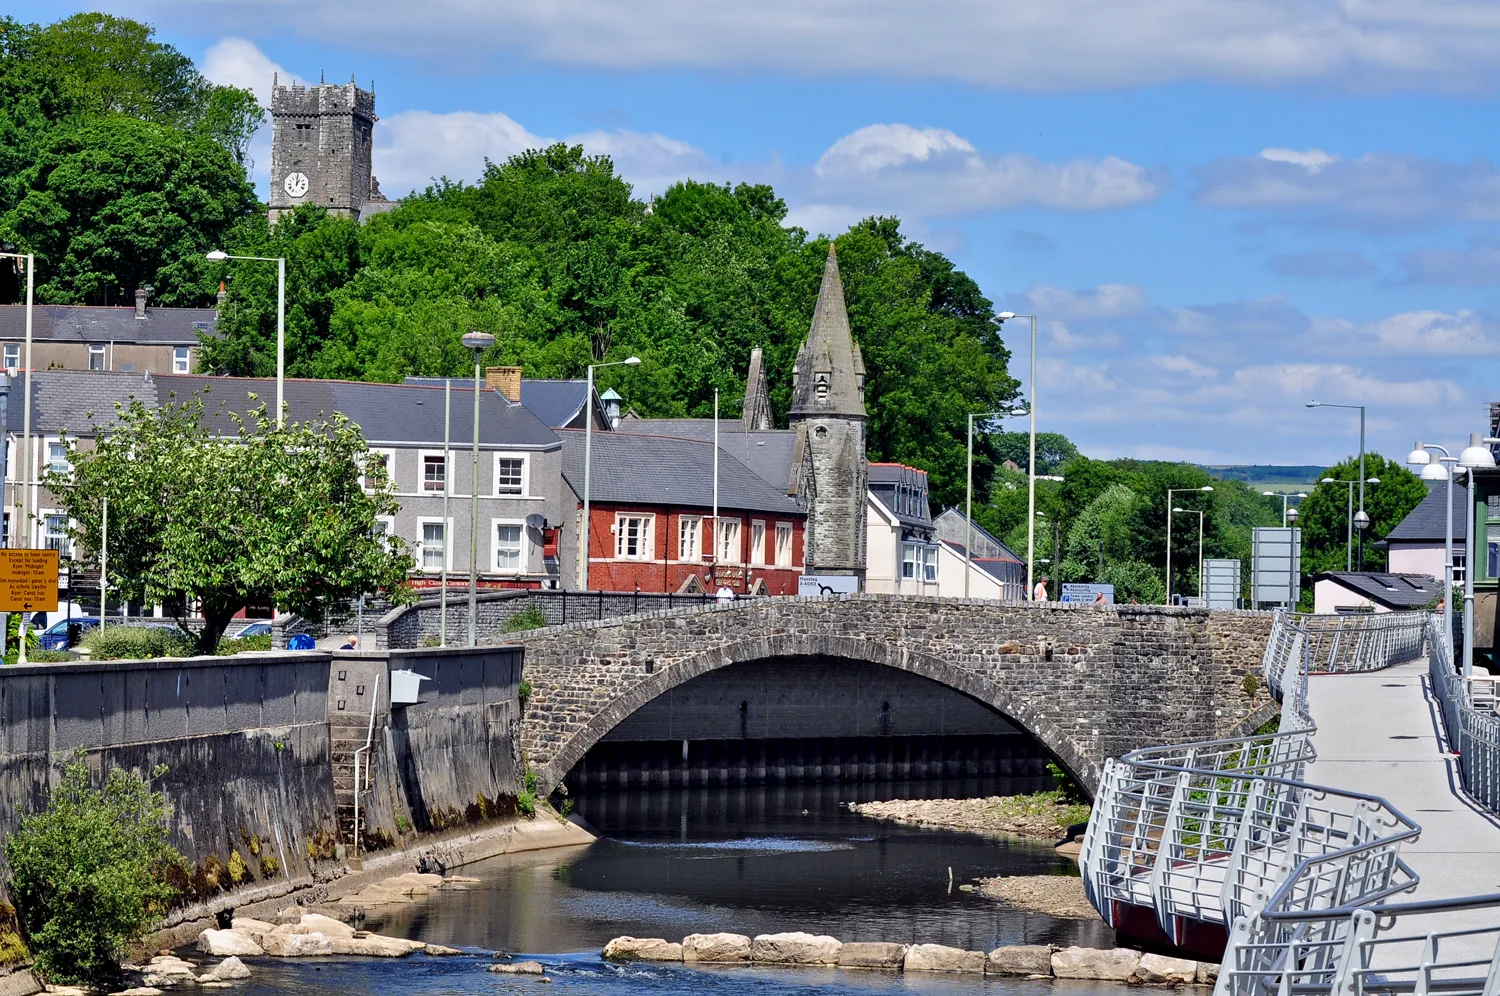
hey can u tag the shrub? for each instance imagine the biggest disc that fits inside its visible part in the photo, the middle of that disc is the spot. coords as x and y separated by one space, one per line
238 870
269 866
526 798
88 873
1071 791
523 692
113 643
531 618
243 644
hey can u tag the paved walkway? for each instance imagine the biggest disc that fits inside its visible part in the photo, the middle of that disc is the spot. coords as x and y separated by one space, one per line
1378 733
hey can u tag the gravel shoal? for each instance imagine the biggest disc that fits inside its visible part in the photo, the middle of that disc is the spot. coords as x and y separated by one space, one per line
1055 895
1042 815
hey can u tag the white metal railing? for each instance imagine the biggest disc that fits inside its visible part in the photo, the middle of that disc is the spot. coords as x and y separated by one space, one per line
1471 720
1362 642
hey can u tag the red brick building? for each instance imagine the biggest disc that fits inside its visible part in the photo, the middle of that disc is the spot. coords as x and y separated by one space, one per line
652 528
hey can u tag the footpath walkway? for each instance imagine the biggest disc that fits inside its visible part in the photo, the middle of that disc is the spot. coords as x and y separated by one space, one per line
1379 733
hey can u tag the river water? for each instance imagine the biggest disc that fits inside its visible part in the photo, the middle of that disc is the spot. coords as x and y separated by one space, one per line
747 860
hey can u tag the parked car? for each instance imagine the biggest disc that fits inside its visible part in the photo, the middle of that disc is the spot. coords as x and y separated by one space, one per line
56 636
254 629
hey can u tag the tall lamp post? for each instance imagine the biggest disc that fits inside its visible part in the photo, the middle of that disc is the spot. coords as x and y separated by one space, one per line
969 491
218 256
1475 456
1361 521
588 463
478 342
1199 514
1357 520
1003 317
22 508
1170 510
1284 496
1440 470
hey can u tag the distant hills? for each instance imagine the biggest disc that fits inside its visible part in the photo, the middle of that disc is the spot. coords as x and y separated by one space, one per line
1268 474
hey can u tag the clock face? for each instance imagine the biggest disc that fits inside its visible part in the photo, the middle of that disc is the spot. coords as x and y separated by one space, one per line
295 184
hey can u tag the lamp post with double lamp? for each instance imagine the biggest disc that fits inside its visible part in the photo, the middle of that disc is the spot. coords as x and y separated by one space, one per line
1003 317
1440 469
1475 456
218 256
1288 516
588 463
1361 520
1357 520
478 342
1199 514
1170 510
969 490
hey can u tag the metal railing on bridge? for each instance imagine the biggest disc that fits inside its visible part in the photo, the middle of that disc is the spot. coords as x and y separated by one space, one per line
1223 845
1471 721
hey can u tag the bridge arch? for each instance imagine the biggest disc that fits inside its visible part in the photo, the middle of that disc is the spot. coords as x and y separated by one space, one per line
564 755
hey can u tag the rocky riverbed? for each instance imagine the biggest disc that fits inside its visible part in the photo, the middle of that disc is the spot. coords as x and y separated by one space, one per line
1043 815
1055 895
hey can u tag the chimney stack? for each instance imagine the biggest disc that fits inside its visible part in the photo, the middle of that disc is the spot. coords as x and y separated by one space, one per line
219 303
141 295
506 380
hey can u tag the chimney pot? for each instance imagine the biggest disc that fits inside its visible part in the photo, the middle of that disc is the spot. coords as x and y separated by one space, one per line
506 380
141 294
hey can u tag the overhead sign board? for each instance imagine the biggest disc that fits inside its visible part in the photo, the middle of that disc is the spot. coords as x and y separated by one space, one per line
1088 593
827 584
28 580
1221 583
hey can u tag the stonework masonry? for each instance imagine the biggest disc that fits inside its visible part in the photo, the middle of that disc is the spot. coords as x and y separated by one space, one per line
323 133
1089 683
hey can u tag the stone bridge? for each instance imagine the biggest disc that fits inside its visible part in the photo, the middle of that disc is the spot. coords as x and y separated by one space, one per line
1087 682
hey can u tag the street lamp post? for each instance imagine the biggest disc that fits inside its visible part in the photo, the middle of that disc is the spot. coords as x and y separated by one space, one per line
1437 471
1170 510
22 509
1474 456
1284 496
478 342
1356 520
588 460
969 491
1199 514
218 256
1003 317
1362 520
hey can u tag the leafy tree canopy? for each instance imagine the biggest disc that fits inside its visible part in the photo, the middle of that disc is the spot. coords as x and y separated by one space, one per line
1324 513
229 511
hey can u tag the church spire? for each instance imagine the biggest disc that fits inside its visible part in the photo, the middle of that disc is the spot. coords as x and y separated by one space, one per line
829 373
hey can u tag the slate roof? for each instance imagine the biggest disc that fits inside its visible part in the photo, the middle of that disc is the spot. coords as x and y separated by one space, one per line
1426 522
76 400
770 453
399 414
1002 569
951 525
555 402
79 323
1394 591
639 469
885 478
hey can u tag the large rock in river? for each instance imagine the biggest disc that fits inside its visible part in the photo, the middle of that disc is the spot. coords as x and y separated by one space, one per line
1160 970
940 958
716 948
1114 964
795 948
223 943
872 954
1020 959
642 949
298 945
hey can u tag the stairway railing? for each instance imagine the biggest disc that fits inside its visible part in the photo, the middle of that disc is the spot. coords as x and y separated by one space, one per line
1471 720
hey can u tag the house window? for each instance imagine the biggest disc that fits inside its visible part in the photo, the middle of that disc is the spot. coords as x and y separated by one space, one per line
96 357
434 472
1459 559
57 457
911 559
55 534
510 551
510 475
729 541
385 528
758 543
783 544
929 564
12 356
434 546
633 537
377 469
690 538
180 360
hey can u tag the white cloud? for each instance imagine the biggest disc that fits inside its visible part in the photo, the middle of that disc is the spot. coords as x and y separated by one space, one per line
413 148
1025 44
651 162
1433 333
1476 265
1312 160
240 62
1103 302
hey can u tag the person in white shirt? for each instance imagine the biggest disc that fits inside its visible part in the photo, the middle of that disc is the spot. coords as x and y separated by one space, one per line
1039 593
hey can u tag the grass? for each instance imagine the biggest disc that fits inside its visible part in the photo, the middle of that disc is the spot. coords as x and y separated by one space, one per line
1044 804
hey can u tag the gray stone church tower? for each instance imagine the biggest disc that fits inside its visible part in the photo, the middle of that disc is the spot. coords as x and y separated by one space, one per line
321 138
828 414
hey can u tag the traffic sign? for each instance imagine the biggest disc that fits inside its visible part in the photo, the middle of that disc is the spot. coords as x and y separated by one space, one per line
28 580
1088 593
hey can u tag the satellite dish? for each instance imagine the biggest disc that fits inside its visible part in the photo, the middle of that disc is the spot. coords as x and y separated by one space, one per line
535 521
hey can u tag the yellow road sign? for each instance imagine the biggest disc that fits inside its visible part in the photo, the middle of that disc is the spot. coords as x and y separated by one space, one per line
28 580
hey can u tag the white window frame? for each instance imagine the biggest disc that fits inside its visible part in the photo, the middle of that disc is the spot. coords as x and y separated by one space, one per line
524 567
727 540
789 529
914 562
448 467
525 459
690 547
758 547
12 348
65 542
929 565
422 523
45 455
182 359
390 467
389 521
647 550
97 349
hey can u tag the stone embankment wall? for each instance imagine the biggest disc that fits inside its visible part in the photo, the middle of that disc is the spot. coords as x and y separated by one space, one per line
256 747
1088 682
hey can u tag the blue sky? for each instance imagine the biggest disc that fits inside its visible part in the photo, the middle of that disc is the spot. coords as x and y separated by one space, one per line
1217 210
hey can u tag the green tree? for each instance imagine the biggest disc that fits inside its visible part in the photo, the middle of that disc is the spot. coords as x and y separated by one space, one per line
1053 450
227 510
87 872
1324 513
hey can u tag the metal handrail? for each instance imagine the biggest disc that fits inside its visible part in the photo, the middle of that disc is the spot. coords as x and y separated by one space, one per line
1471 721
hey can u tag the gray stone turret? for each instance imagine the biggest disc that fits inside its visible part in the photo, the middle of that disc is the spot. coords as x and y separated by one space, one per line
320 147
756 413
828 412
